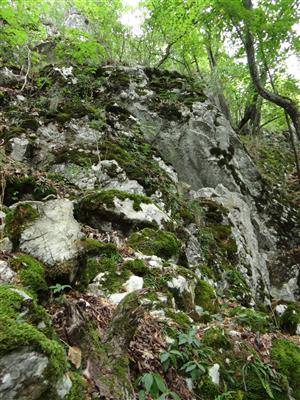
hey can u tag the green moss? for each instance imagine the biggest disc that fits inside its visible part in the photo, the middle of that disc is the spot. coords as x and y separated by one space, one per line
206 389
257 321
17 219
290 319
74 156
180 318
286 358
136 267
79 387
20 187
16 331
31 273
205 296
93 247
114 274
155 242
238 287
106 198
216 338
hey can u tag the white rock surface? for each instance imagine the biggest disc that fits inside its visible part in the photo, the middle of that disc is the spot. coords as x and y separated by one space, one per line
214 373
148 213
247 227
53 237
19 147
179 283
5 245
21 369
133 283
280 309
7 275
116 298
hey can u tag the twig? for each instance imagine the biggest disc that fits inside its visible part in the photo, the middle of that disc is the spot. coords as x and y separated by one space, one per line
28 69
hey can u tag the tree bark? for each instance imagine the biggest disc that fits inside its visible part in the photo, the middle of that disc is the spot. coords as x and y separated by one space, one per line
284 102
219 89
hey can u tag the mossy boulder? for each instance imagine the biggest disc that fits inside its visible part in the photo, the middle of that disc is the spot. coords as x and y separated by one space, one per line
205 296
286 358
31 273
19 188
121 207
155 242
290 319
217 338
25 332
17 219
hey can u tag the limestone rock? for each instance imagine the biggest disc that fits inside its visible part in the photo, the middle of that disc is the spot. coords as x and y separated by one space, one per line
255 242
7 275
53 237
19 148
22 375
214 373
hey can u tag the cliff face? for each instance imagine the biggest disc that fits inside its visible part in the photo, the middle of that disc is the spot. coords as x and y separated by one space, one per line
127 192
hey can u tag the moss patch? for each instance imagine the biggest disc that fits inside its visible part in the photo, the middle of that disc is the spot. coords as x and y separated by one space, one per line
216 338
136 267
155 242
16 221
286 358
16 330
205 296
257 321
31 273
93 247
290 319
25 187
79 387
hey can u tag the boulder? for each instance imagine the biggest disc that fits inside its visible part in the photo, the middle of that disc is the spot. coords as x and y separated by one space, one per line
53 237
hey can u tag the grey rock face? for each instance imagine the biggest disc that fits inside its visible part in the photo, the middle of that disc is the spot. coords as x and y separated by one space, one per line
247 228
6 273
22 375
19 148
53 237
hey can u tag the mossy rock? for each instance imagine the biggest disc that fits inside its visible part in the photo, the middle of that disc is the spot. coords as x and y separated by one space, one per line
114 275
238 287
93 247
155 242
257 321
18 219
180 318
99 206
17 315
79 387
217 338
31 273
290 319
286 359
20 187
137 267
76 157
205 296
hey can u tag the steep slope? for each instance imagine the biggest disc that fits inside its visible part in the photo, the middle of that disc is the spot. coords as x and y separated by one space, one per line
127 191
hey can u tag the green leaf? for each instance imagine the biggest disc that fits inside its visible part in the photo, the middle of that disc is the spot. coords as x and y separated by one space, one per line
160 383
148 381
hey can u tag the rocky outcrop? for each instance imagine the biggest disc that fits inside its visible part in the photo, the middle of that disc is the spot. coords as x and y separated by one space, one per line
138 222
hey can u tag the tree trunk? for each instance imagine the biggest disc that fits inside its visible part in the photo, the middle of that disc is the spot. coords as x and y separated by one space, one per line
284 102
219 89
